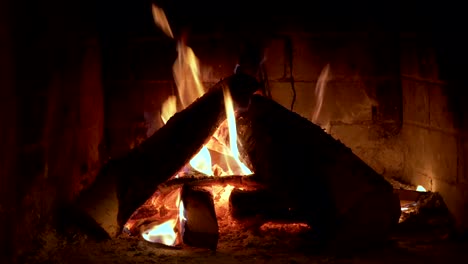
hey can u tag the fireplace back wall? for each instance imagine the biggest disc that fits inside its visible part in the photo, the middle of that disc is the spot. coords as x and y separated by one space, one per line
393 92
84 88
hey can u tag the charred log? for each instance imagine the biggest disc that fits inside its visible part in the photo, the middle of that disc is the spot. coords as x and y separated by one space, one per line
199 224
310 170
131 180
256 207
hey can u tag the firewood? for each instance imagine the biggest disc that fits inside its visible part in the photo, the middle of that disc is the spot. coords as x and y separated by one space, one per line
260 206
243 181
149 212
302 164
131 180
199 224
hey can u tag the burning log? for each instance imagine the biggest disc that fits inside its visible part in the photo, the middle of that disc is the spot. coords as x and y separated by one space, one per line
234 180
316 174
149 213
199 223
131 180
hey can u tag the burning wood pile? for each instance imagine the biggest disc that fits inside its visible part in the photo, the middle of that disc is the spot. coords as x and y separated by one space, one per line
231 153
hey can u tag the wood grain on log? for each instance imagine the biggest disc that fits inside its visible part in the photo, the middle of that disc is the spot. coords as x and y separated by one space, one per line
134 178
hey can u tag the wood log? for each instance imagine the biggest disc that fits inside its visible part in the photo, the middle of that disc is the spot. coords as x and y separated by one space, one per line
199 225
129 181
262 205
243 181
311 170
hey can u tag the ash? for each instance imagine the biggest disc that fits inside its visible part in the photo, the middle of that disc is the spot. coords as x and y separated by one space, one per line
240 243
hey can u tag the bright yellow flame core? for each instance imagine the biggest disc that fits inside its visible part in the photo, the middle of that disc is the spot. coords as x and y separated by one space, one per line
420 189
163 233
230 115
202 161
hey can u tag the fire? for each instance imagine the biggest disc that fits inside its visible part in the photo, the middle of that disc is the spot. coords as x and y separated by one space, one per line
420 188
189 86
230 115
169 108
163 233
160 20
202 161
320 93
186 71
182 218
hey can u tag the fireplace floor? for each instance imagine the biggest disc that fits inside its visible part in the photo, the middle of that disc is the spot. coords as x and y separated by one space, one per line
273 243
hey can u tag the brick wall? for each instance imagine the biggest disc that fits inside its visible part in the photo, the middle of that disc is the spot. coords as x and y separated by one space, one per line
353 107
434 140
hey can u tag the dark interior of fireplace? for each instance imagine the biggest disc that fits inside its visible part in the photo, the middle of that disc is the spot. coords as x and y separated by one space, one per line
82 84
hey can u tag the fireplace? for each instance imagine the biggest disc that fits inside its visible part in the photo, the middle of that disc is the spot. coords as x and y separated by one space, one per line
86 86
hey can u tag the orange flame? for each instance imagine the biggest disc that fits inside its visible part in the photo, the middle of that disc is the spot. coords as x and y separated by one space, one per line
160 20
230 115
189 86
169 108
186 71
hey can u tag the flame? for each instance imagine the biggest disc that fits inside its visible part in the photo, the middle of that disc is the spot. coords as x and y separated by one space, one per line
169 108
231 122
163 233
160 19
186 72
182 218
202 161
320 93
420 189
189 86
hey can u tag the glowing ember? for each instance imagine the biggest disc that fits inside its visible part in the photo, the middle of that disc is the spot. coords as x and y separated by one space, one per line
420 189
163 233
